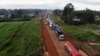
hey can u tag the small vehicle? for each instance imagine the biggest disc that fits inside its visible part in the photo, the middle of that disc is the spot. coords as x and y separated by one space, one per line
54 26
71 49
59 33
48 21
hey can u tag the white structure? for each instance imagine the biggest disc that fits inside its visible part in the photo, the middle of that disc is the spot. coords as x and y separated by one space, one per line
76 19
97 18
2 16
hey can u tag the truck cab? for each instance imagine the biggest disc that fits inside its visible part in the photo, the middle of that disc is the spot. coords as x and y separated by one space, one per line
59 33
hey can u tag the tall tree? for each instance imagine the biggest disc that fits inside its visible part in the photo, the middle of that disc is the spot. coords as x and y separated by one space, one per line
68 13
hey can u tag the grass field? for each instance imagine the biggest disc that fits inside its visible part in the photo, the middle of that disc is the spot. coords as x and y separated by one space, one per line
81 32
20 38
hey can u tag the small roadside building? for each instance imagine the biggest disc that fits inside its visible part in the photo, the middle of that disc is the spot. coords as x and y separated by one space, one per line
97 19
76 20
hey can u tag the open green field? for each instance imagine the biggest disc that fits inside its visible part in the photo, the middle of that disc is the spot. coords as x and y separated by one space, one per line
20 38
80 32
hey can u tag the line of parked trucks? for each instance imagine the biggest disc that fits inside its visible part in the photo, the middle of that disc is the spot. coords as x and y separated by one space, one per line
57 29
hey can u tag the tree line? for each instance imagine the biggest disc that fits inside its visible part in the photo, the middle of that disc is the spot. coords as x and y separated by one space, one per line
18 14
70 16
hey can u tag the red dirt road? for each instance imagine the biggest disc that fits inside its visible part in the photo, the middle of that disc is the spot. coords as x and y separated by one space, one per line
58 44
52 46
49 47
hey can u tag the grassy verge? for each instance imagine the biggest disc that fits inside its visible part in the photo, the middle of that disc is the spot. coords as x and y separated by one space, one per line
96 47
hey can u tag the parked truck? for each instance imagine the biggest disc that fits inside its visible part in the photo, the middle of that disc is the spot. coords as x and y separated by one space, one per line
59 33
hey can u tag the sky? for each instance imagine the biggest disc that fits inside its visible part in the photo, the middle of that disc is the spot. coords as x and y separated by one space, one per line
49 4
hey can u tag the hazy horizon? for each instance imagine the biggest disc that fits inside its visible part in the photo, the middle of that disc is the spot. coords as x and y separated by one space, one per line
49 4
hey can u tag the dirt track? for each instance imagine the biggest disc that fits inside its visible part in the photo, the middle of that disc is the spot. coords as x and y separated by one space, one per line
48 43
58 44
53 47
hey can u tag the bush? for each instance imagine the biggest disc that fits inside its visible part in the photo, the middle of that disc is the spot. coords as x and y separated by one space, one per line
88 37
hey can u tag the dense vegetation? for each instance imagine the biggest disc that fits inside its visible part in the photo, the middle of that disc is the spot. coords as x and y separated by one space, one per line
20 38
23 11
70 16
19 14
97 47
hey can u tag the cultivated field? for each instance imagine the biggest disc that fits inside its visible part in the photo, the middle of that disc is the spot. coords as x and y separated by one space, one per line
20 38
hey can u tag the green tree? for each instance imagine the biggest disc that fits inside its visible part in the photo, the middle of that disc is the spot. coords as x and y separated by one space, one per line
90 16
68 13
87 16
18 12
